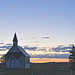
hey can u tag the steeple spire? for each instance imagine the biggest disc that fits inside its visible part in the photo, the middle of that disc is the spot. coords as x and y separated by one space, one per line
15 41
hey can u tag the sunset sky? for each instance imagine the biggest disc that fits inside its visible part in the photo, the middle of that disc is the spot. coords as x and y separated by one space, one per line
45 28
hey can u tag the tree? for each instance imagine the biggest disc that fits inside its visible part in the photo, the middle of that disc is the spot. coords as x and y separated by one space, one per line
72 58
3 59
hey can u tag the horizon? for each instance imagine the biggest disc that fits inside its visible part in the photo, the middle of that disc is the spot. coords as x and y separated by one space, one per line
44 28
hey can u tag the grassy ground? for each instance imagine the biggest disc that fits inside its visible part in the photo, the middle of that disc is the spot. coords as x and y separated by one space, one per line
38 72
35 71
2 67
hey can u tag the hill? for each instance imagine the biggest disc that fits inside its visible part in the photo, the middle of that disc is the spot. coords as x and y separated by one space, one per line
51 65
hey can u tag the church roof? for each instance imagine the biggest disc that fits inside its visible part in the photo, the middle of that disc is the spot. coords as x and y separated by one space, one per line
23 51
20 50
15 38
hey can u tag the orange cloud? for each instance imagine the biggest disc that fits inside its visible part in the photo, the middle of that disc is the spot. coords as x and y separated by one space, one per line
43 60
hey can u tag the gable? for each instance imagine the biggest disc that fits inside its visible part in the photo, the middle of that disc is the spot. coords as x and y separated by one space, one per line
14 54
23 51
14 49
17 49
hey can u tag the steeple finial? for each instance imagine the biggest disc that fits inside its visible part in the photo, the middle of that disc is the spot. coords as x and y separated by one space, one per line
15 40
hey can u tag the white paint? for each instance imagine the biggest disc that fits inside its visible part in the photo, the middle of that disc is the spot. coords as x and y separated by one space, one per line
27 65
7 63
22 61
12 63
16 63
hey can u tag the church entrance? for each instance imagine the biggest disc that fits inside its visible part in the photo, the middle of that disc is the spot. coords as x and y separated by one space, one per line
12 63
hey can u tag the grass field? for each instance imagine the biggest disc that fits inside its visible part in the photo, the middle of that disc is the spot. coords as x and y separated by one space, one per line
38 72
42 69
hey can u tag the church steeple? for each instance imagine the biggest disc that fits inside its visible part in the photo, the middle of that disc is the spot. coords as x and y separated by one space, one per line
15 41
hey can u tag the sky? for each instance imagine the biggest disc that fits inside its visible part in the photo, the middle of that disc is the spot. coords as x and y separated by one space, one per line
45 28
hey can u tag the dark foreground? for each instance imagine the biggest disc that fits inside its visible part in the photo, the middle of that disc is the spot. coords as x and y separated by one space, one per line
51 65
42 69
39 72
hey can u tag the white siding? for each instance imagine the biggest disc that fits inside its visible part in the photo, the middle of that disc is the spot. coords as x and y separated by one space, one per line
22 64
27 65
12 63
16 63
7 63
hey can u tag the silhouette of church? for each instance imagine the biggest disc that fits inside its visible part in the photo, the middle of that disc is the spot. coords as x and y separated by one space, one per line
17 57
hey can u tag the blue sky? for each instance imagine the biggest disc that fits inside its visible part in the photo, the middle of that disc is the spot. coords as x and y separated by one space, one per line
34 20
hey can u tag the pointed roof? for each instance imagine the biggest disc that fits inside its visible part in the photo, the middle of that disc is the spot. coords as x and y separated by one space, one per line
20 49
15 38
23 51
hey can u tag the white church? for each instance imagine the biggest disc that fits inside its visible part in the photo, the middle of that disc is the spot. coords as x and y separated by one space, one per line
17 57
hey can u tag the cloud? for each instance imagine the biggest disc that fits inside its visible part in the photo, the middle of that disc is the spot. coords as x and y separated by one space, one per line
45 37
60 51
9 44
1 43
35 42
51 56
5 47
42 49
30 48
34 37
62 48
2 49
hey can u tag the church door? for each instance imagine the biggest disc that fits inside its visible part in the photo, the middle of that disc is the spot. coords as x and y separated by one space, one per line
12 63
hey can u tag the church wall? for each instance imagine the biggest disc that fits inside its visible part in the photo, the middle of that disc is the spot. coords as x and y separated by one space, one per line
22 64
16 63
27 65
27 62
7 63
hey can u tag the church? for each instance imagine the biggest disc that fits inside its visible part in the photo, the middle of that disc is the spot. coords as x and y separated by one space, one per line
17 57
